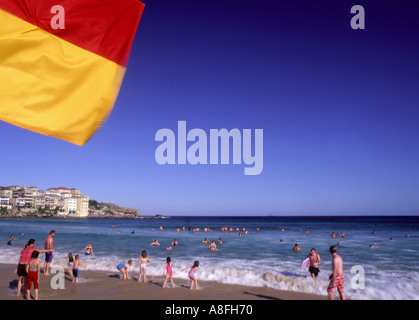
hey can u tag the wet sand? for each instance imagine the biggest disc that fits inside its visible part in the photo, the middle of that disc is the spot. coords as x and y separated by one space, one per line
100 285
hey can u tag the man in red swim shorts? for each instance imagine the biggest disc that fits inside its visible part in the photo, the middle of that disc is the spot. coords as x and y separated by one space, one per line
336 278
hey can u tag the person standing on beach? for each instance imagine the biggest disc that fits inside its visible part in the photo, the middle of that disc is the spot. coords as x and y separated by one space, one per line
192 275
143 264
336 278
49 244
33 269
168 272
76 273
25 257
70 261
314 263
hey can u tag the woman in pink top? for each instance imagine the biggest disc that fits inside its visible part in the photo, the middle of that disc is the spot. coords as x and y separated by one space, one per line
25 257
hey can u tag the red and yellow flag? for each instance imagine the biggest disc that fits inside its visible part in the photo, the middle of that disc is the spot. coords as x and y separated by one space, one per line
62 63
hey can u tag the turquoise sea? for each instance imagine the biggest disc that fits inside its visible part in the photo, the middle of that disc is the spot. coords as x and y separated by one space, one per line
390 269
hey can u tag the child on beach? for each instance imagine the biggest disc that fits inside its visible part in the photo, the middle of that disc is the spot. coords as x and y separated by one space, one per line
33 269
191 274
70 261
76 265
124 268
143 264
168 271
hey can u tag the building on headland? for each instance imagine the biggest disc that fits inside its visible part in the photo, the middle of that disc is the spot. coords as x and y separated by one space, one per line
82 205
77 206
4 200
65 191
63 201
70 206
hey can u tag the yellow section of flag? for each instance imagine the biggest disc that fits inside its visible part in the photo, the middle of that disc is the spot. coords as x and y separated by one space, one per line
51 86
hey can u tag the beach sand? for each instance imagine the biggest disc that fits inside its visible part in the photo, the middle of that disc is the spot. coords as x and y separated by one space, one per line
98 285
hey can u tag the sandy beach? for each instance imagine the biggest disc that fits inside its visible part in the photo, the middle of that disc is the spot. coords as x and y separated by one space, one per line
108 286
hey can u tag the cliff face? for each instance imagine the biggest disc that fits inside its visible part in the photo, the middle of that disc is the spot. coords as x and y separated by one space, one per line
102 209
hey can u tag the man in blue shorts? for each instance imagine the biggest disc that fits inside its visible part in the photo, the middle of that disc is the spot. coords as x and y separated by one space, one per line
49 243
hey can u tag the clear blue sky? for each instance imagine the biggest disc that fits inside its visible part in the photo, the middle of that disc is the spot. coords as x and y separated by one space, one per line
339 109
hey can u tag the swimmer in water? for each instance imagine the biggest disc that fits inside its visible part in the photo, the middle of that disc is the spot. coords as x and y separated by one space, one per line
88 250
296 247
155 243
11 238
213 246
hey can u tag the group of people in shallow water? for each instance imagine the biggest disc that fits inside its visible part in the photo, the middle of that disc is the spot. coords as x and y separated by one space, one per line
124 269
29 267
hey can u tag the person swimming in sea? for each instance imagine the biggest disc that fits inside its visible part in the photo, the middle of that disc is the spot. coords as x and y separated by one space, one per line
212 246
155 243
11 238
88 250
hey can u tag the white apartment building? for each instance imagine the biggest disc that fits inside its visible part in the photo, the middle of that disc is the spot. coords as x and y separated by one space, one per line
70 206
4 200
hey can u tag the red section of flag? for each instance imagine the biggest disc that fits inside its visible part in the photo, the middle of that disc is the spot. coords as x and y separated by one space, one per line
105 27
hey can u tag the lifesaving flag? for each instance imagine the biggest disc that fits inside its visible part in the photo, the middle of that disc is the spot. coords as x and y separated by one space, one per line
62 63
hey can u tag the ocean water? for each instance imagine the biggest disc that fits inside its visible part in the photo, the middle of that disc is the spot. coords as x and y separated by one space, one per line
390 269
